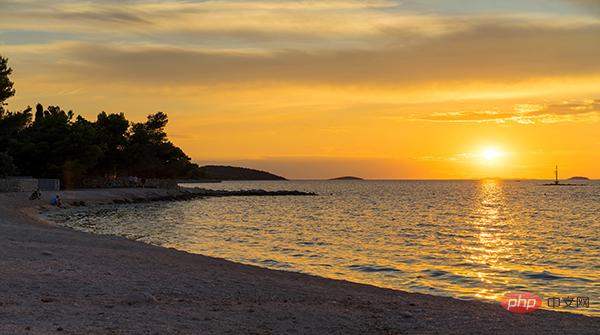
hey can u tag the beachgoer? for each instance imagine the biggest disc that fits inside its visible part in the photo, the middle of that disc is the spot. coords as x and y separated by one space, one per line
56 201
35 195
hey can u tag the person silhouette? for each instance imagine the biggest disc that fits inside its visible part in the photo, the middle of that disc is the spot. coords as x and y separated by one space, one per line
35 195
56 201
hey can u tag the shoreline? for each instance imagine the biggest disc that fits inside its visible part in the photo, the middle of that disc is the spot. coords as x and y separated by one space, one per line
107 196
59 279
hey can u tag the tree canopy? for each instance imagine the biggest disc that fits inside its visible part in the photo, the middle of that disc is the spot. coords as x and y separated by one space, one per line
54 143
6 86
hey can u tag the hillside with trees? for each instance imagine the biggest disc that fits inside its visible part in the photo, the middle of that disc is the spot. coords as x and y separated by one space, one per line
236 173
53 143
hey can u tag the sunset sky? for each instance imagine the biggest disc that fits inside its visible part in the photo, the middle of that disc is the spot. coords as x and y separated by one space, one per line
318 89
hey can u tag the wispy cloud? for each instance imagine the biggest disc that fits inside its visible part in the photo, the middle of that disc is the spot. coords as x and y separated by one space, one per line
489 52
593 4
307 24
337 19
566 111
338 42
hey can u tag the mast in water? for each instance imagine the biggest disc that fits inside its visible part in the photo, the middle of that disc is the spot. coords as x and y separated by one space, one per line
556 175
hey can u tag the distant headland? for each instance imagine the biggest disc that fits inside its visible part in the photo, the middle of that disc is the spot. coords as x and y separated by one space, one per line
347 178
579 178
219 172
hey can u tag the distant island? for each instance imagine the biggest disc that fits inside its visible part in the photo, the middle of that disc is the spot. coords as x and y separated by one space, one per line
579 178
219 172
347 178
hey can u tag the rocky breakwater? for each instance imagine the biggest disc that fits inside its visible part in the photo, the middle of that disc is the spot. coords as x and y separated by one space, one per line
195 193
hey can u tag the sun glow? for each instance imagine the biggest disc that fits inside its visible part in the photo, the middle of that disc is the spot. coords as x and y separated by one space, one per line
491 154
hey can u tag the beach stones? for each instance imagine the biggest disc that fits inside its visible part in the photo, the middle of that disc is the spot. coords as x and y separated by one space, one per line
139 298
46 299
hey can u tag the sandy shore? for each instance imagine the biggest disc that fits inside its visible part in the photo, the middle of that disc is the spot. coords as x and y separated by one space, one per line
56 280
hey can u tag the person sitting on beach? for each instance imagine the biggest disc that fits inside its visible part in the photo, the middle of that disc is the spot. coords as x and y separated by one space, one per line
35 195
56 201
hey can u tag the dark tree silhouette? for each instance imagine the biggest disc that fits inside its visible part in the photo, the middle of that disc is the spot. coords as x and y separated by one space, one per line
112 131
39 111
6 86
56 144
7 166
151 154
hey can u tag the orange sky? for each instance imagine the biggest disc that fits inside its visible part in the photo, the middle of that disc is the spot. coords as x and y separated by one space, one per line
313 89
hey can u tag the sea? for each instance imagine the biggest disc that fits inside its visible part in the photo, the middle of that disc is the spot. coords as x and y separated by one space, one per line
473 240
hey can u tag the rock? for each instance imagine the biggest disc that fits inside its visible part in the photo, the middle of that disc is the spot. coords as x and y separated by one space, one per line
47 253
140 298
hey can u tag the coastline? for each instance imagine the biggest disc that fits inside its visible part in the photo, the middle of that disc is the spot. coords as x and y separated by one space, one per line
58 279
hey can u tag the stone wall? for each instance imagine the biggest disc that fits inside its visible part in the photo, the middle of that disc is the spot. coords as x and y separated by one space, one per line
18 185
28 184
49 184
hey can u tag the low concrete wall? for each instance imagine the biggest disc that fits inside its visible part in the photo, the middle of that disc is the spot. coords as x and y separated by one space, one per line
18 185
28 184
49 184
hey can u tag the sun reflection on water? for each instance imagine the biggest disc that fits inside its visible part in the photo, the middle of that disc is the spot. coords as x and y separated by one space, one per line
490 225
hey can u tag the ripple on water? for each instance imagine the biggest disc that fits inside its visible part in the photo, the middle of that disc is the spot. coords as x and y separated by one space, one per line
449 277
545 275
272 263
372 268
309 243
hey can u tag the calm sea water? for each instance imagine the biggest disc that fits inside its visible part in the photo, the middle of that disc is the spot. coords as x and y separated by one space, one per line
466 239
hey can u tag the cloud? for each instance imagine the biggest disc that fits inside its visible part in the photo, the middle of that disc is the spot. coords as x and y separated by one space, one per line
488 52
156 20
566 111
593 4
283 24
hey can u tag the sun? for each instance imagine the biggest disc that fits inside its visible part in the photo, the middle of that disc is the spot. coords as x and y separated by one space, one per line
491 154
